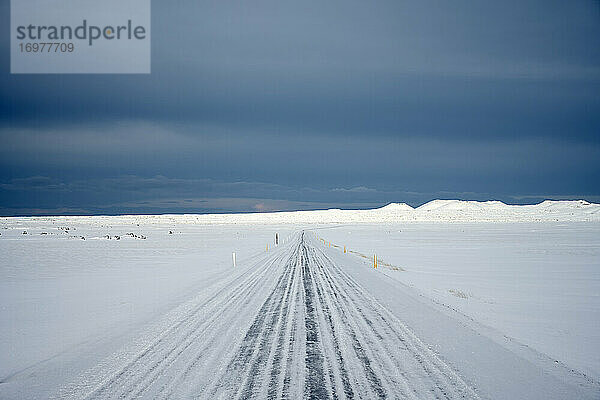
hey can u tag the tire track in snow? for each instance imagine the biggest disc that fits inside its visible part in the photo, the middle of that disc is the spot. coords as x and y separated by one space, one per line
168 390
307 330
154 357
315 383
263 343
353 347
374 381
436 378
157 359
263 349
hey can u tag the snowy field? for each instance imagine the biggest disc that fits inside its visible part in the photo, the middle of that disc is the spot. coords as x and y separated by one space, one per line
469 300
538 283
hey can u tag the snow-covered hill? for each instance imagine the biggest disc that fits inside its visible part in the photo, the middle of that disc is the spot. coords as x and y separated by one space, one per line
434 211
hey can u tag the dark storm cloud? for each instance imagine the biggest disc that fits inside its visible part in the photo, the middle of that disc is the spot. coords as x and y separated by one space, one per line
328 103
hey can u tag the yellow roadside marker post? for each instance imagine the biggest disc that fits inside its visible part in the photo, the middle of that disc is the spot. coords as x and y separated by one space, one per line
344 249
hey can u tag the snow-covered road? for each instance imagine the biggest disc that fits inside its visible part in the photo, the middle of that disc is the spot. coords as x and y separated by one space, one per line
312 331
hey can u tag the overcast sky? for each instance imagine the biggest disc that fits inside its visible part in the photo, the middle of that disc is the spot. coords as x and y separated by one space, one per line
271 105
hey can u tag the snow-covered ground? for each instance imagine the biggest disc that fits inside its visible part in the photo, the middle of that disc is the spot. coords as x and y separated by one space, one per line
538 283
510 307
64 298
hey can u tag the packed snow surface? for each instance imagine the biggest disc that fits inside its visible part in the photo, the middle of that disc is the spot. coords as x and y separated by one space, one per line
500 303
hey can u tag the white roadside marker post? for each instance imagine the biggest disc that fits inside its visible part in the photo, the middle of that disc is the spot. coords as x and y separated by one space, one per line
233 257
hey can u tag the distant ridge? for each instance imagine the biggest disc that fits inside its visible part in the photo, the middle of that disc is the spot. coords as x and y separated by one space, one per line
461 205
433 211
396 207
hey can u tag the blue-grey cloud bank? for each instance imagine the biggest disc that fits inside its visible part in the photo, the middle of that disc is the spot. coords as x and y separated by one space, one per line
278 105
